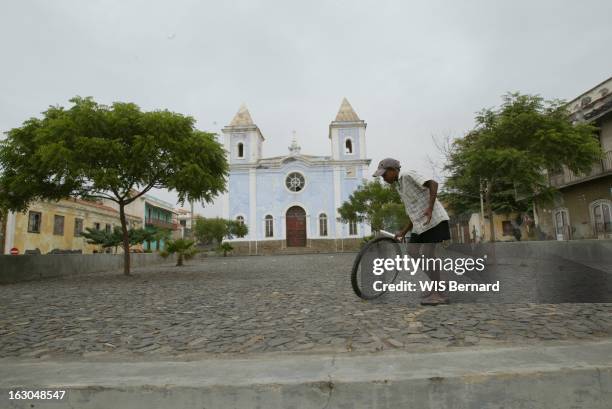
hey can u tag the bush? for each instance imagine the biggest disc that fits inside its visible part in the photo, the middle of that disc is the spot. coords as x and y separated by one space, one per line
182 248
225 248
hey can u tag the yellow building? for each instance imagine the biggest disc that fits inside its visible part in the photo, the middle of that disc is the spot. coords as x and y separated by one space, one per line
48 226
506 226
473 229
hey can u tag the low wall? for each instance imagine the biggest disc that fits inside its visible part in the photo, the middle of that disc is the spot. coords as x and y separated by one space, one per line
33 267
268 247
539 271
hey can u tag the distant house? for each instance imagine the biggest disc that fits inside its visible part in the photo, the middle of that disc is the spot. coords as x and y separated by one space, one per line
583 209
185 222
48 225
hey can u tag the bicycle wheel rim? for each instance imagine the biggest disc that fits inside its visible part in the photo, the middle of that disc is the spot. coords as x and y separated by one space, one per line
362 275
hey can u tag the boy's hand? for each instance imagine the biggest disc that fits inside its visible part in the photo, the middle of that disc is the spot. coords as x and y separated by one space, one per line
399 236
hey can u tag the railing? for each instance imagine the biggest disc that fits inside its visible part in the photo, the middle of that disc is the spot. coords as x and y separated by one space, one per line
164 224
567 176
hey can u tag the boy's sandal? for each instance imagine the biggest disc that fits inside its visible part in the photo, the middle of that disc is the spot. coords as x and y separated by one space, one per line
433 300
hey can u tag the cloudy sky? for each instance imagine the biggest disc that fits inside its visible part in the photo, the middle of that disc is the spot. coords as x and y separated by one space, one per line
411 70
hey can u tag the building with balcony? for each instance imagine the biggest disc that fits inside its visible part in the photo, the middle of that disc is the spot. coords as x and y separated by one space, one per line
159 214
583 209
156 213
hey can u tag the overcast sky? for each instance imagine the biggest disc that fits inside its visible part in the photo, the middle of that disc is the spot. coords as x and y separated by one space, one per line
411 70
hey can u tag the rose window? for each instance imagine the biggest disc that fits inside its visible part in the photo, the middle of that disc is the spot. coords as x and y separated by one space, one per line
295 182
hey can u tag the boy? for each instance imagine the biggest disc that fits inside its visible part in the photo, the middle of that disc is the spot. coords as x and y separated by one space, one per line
429 220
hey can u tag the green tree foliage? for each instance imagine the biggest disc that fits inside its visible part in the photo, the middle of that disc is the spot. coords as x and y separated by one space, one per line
151 234
508 152
214 230
103 238
114 238
237 229
376 204
183 249
116 152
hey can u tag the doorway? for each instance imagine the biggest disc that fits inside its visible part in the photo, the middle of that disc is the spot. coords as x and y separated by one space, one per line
296 227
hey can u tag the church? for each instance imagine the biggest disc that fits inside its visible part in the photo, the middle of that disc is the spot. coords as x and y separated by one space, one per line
289 202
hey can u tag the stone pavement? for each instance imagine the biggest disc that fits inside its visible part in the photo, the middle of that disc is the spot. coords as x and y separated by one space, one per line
247 305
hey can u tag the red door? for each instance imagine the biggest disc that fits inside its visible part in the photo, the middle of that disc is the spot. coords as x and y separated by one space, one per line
296 227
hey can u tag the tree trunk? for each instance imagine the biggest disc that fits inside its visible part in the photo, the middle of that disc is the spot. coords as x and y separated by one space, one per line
179 259
126 240
490 212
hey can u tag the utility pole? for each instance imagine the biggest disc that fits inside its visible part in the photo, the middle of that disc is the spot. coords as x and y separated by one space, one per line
482 220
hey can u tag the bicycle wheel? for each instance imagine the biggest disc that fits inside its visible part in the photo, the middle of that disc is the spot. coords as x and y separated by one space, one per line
365 282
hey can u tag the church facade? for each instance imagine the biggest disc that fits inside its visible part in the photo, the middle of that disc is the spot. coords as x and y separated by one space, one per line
291 201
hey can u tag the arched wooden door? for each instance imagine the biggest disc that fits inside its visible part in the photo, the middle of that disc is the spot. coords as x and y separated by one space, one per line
296 227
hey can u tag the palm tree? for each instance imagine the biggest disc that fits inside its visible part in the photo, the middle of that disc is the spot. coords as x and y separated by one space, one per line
182 247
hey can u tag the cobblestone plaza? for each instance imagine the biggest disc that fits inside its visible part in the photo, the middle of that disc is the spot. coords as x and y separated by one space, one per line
251 305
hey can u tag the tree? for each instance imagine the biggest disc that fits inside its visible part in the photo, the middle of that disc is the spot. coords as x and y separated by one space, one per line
152 233
115 152
508 152
377 204
183 248
115 238
213 230
236 228
103 238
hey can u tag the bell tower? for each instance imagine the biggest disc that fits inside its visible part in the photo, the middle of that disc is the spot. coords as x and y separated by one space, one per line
347 134
242 139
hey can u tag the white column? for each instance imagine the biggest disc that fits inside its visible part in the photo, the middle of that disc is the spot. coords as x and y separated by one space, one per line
334 143
337 197
253 204
362 143
283 234
9 240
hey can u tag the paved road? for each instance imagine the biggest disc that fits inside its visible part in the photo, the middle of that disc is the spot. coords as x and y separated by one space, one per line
246 305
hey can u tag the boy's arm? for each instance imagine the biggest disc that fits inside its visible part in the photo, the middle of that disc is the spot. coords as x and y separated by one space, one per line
400 234
432 185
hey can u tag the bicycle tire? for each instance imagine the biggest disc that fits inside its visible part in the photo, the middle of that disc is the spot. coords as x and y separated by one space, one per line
356 263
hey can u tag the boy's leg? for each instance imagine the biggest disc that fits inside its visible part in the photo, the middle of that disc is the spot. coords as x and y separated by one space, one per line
414 249
436 297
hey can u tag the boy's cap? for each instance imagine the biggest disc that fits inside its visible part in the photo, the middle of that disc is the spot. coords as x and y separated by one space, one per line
386 164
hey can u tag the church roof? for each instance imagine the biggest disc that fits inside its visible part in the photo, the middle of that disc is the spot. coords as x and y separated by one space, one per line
279 159
346 113
242 117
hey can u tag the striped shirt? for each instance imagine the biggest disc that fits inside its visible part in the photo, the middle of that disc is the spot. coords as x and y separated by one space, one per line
416 200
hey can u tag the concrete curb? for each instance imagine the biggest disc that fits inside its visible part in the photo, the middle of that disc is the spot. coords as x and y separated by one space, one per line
563 376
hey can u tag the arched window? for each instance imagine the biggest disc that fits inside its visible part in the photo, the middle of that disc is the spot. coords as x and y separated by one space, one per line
352 228
601 217
240 219
269 226
240 150
322 224
348 146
